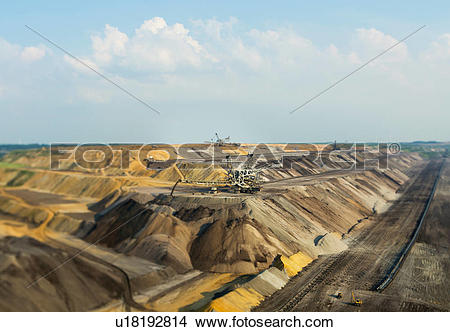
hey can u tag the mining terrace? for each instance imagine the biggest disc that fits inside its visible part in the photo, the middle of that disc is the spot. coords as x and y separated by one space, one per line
313 238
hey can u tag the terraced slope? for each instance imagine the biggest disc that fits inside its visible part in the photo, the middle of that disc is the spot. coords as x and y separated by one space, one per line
237 249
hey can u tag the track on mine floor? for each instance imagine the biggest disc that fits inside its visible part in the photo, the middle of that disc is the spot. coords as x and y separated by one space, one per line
365 264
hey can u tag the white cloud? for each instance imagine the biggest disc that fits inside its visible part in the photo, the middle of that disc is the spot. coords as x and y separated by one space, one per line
439 49
217 60
8 51
215 29
353 58
374 42
155 46
13 52
250 56
32 53
154 25
79 66
284 47
333 50
113 44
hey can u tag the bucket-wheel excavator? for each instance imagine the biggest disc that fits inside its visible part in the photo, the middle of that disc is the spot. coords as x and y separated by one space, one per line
240 180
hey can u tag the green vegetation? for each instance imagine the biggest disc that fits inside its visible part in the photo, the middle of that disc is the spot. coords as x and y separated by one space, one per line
8 158
429 150
16 154
20 178
431 154
4 164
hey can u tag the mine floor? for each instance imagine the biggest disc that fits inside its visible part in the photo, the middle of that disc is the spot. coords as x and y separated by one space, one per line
420 283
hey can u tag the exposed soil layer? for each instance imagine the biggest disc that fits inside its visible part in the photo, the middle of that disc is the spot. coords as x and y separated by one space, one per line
243 234
80 286
40 198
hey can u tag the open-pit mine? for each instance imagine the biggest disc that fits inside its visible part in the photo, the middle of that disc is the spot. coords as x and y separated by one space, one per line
306 237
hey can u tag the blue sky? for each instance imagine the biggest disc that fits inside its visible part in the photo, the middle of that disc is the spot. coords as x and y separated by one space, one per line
233 67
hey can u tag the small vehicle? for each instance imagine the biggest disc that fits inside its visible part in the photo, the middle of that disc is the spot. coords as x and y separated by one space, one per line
355 301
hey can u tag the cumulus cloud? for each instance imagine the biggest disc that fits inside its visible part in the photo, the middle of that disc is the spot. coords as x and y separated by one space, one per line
439 50
155 46
32 53
159 47
283 48
113 44
9 51
374 42
215 29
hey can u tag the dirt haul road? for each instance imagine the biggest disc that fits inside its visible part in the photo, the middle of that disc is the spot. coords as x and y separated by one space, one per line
427 267
371 254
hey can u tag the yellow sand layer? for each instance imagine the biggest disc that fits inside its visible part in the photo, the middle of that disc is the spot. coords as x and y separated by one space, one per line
184 296
14 228
295 263
243 299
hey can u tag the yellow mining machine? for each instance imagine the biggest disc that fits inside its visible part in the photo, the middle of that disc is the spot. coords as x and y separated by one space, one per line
355 301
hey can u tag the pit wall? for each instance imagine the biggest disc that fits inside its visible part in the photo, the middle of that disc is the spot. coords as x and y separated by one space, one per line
37 215
59 183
